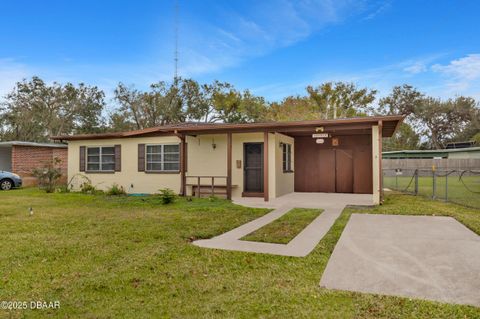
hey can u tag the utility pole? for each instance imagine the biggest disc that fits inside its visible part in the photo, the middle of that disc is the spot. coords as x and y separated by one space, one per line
175 76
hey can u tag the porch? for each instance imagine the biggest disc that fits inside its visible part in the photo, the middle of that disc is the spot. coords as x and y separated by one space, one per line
308 200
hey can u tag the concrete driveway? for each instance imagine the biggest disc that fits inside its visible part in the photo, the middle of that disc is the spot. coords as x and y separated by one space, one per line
305 241
425 257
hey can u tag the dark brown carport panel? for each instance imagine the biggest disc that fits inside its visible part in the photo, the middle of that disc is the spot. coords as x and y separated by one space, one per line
326 168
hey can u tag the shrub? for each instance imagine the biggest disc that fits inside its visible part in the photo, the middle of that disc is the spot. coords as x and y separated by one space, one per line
116 190
88 188
167 196
48 176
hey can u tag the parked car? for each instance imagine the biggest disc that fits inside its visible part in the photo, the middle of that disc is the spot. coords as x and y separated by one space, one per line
9 180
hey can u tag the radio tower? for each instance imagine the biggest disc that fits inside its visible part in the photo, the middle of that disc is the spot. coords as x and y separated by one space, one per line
175 76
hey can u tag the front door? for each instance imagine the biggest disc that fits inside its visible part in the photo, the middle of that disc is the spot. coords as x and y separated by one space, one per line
253 169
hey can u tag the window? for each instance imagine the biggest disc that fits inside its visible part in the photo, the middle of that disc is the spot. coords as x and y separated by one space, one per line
163 158
101 159
287 157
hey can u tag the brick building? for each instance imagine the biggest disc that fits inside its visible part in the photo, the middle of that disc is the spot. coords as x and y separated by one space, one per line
23 157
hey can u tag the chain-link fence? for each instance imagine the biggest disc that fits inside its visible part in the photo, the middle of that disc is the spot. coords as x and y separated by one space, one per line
458 186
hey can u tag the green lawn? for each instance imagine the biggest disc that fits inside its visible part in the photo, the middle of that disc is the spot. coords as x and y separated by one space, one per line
131 257
284 229
464 192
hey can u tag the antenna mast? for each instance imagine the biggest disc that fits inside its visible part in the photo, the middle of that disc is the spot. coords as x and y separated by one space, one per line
175 77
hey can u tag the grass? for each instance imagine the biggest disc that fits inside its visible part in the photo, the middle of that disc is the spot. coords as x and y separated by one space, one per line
284 229
454 190
121 257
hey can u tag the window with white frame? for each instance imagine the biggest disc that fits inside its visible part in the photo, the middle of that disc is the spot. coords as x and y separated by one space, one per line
287 157
100 159
163 158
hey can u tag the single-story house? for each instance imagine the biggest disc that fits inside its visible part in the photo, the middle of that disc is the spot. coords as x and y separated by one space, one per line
255 159
23 157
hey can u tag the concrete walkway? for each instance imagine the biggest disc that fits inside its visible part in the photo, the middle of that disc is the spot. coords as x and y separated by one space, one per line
424 257
305 241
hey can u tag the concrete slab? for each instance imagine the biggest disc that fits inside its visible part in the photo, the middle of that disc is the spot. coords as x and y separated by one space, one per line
308 200
423 257
305 241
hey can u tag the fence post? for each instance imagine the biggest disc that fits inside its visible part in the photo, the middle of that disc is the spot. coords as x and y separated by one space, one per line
396 180
416 182
446 187
434 188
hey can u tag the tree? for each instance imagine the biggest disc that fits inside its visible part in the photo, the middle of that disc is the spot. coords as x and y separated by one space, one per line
341 99
137 110
293 108
440 121
34 111
326 101
221 102
443 120
405 138
404 100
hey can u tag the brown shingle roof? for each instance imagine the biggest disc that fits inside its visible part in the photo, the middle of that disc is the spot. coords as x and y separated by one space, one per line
390 123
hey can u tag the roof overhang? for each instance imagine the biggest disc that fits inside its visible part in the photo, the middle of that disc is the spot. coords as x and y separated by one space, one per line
357 125
32 144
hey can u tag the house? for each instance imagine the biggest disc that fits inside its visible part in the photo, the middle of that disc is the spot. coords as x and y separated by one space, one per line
255 159
23 157
443 159
459 153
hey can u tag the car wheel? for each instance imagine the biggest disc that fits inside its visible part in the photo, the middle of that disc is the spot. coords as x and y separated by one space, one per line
6 184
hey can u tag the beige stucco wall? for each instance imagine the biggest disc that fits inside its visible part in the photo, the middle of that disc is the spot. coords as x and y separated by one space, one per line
376 165
237 154
129 176
202 160
284 182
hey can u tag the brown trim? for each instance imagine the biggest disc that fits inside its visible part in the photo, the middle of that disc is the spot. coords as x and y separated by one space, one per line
202 128
141 157
99 172
249 194
183 155
229 165
118 158
82 162
162 172
265 166
380 175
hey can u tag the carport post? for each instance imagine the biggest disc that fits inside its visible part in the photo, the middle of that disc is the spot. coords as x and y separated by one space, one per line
229 165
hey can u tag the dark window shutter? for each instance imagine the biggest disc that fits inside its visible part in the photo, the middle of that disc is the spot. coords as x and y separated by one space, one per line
185 158
118 158
141 157
82 158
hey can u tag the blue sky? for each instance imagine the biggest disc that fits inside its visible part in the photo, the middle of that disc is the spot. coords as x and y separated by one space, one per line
272 47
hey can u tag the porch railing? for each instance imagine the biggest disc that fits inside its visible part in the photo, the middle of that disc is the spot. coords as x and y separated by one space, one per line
199 183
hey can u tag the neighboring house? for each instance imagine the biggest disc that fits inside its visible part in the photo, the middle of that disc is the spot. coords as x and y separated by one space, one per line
257 159
448 159
23 157
458 153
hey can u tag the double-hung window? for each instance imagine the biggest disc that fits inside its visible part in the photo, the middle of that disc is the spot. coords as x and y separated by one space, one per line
287 157
163 158
101 159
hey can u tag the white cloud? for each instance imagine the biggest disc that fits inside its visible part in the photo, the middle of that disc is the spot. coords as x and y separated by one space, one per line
462 75
415 68
233 36
459 77
384 6
466 68
11 71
